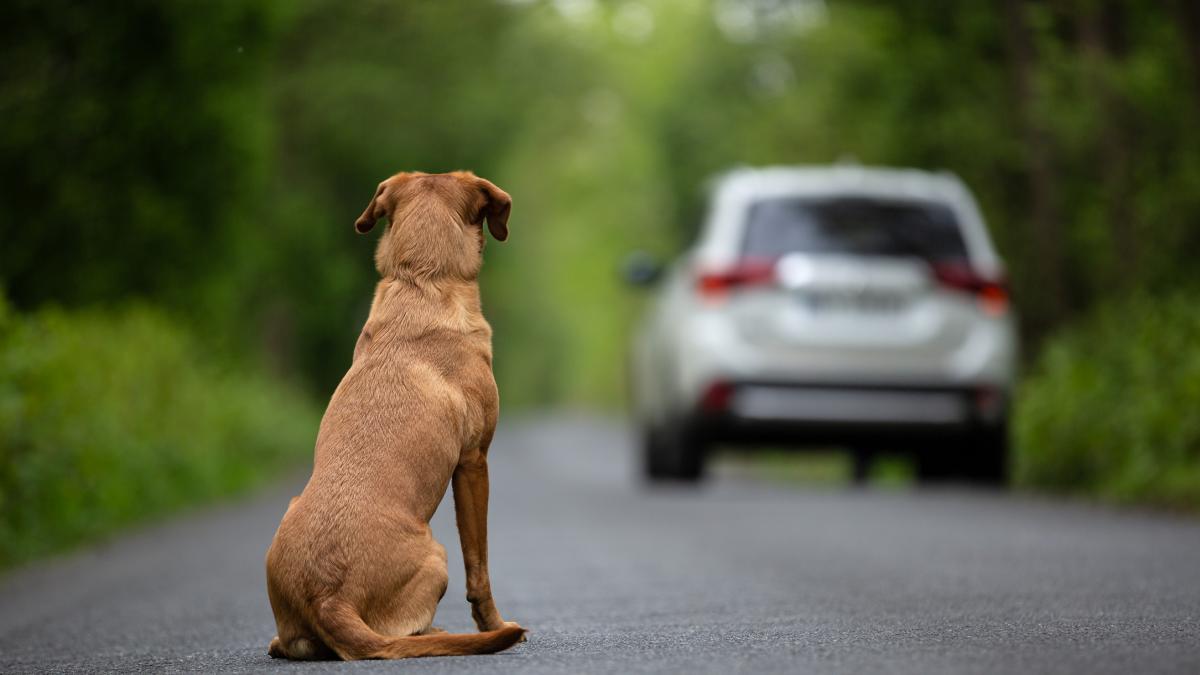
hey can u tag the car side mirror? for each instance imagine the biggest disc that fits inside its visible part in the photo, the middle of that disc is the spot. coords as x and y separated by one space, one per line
641 269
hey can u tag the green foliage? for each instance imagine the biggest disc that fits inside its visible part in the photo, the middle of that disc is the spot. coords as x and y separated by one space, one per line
110 419
209 158
1110 408
363 90
133 149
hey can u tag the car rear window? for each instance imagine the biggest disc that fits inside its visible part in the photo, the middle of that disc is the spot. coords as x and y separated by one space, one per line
854 226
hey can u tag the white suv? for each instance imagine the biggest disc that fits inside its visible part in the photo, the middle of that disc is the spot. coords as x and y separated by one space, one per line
846 306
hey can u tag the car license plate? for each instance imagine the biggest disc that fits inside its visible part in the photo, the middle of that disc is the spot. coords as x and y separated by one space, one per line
865 302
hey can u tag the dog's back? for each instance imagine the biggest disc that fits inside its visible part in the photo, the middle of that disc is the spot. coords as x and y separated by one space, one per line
353 569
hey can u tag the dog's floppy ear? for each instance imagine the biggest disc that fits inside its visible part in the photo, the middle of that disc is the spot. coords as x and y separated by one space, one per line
496 206
373 213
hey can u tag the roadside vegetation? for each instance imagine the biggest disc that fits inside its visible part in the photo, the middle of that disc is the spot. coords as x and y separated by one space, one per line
110 417
205 161
1110 408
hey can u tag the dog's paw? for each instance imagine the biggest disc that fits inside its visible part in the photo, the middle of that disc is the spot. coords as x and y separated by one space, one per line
524 631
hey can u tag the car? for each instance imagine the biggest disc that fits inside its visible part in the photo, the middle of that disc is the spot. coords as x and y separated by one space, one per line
838 306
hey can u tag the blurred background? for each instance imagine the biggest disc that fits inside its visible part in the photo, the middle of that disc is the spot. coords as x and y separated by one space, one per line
182 285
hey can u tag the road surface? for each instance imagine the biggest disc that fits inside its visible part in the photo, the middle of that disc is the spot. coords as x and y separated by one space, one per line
611 577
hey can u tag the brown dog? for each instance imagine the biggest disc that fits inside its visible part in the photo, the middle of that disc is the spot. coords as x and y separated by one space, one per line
354 571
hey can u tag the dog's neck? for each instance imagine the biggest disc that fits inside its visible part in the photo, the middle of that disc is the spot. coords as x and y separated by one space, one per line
423 275
414 305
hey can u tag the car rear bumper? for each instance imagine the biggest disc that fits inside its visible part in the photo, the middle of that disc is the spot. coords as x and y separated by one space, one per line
836 414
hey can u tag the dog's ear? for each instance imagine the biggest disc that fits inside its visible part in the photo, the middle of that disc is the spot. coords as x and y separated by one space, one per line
496 207
373 213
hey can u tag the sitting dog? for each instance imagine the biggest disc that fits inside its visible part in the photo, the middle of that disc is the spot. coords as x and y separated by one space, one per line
353 571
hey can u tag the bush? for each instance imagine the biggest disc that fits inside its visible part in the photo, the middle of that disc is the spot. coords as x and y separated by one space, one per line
109 418
1111 409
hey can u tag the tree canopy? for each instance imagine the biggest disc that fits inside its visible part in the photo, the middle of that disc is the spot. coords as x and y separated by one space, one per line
211 156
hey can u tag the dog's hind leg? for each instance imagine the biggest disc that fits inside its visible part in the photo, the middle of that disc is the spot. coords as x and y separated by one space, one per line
413 611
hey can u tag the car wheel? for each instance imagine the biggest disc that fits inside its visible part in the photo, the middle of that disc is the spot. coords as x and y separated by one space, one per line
988 456
861 460
935 464
980 458
673 454
653 461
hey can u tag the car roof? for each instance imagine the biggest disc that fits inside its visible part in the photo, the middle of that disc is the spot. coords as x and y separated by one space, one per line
842 179
734 191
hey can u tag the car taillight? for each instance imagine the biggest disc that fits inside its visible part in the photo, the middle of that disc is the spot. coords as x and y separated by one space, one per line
717 397
717 283
992 294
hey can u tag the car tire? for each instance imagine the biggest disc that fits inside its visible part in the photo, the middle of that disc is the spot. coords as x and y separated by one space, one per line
861 461
987 456
935 464
673 454
981 458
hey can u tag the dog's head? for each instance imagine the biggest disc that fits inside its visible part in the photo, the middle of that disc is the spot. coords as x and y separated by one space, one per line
435 223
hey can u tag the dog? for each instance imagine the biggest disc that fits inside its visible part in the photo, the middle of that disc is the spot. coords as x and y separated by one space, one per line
354 571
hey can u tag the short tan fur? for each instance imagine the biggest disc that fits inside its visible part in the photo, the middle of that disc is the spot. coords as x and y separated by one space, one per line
353 571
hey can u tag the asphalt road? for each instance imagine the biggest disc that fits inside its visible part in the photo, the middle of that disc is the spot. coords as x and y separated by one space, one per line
611 577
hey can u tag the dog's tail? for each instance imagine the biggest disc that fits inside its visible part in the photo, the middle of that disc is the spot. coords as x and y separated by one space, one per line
345 632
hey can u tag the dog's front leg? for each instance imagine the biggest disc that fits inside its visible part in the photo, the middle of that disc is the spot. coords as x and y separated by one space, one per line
470 508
